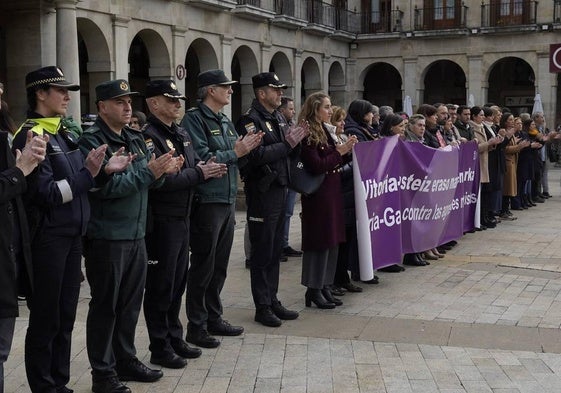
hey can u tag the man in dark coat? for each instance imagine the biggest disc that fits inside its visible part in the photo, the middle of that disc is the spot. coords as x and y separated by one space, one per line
266 179
15 251
167 237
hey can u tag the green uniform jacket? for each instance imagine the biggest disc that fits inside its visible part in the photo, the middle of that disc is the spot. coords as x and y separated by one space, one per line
119 203
214 135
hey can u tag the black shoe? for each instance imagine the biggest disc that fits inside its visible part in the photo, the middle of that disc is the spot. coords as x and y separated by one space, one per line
451 243
200 337
326 292
315 296
373 280
109 385
223 328
168 360
181 348
265 316
349 286
135 370
539 200
64 389
282 312
291 252
547 194
412 260
391 269
337 291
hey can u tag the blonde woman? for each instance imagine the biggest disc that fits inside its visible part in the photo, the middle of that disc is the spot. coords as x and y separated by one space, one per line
323 224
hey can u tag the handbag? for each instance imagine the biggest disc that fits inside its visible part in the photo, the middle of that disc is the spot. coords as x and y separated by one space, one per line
301 180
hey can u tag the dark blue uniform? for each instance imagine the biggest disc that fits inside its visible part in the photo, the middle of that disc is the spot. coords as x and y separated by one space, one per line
167 237
58 212
266 179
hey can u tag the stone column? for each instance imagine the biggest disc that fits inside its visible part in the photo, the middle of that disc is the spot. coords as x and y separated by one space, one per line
546 85
121 46
410 80
353 91
67 50
226 56
297 77
475 85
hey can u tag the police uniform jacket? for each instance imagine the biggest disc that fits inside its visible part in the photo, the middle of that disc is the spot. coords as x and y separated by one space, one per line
57 199
12 219
214 135
272 155
173 198
119 202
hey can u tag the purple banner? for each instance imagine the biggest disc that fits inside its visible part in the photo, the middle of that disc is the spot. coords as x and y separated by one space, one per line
411 198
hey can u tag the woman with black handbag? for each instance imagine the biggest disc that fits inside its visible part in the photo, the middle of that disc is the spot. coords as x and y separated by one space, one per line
323 224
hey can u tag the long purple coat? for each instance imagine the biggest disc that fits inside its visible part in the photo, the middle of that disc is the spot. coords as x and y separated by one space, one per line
323 221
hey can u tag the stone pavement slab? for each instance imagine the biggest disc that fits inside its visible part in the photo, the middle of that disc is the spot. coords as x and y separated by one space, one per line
486 318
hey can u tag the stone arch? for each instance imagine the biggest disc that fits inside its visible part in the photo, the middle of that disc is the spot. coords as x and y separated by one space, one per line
336 84
94 62
149 58
444 81
244 65
200 56
511 83
310 75
383 85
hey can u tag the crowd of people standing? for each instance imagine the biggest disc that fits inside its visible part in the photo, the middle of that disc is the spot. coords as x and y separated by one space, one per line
149 203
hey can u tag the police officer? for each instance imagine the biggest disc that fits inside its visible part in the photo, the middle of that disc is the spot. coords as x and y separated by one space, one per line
115 251
58 212
213 213
167 239
266 180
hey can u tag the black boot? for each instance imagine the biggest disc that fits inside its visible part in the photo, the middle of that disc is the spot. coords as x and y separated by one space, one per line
315 296
326 292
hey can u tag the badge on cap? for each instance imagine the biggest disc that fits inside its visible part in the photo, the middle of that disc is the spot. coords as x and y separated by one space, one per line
59 71
124 86
276 77
172 85
168 142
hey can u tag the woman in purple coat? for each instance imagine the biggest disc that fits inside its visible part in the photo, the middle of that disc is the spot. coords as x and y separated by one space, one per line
323 223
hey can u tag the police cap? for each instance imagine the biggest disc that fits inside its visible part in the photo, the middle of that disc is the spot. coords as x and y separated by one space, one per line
267 79
48 76
163 87
113 89
213 77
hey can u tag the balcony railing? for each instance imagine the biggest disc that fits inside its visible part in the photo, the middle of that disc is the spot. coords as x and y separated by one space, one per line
321 13
293 8
440 18
512 13
380 22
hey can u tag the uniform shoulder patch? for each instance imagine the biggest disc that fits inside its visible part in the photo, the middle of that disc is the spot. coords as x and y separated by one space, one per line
250 127
149 145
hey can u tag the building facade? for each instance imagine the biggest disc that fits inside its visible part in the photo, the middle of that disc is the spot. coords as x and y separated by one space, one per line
430 50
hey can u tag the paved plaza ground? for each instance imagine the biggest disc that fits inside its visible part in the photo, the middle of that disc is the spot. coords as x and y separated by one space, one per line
486 318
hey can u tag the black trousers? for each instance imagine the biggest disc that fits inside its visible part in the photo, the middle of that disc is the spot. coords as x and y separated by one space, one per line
116 271
56 287
265 217
168 258
6 335
212 235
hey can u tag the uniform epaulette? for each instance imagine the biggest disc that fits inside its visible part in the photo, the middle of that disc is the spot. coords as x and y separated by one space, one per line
192 109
